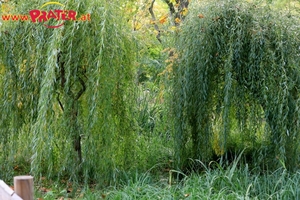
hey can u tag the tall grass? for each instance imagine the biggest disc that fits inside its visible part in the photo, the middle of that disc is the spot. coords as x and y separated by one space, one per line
221 183
234 182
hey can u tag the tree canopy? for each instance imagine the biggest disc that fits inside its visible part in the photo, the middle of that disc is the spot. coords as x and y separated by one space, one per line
66 93
237 61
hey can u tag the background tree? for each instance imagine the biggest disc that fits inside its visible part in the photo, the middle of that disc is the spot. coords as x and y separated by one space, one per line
237 61
178 9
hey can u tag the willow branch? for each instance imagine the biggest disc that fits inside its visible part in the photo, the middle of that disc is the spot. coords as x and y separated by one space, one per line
81 90
154 19
60 104
171 6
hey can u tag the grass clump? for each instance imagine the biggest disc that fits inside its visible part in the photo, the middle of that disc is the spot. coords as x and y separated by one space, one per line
216 184
231 182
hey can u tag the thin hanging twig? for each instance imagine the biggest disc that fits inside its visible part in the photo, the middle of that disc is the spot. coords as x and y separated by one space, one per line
154 19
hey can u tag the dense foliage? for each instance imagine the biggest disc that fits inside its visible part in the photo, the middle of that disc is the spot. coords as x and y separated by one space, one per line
97 103
238 64
67 94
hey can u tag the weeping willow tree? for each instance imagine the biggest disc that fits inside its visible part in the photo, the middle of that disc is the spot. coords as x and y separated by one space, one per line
238 61
67 93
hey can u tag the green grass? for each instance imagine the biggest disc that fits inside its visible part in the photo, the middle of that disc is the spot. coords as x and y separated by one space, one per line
221 183
217 184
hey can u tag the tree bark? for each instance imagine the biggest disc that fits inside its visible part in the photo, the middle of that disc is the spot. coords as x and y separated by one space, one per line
154 19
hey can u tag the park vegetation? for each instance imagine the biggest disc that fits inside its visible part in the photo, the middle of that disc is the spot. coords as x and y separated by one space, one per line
154 100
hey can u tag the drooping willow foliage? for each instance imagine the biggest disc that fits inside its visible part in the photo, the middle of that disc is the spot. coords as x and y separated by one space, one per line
238 61
67 94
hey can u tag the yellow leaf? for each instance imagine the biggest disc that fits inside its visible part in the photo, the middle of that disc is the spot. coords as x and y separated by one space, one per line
184 12
177 20
173 28
163 19
137 26
6 8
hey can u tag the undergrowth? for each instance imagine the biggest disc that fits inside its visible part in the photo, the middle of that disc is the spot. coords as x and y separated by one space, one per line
231 182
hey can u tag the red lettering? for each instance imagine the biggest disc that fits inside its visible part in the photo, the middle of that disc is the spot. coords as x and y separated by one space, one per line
5 17
24 17
58 13
82 18
15 17
64 15
34 14
72 15
52 15
43 17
